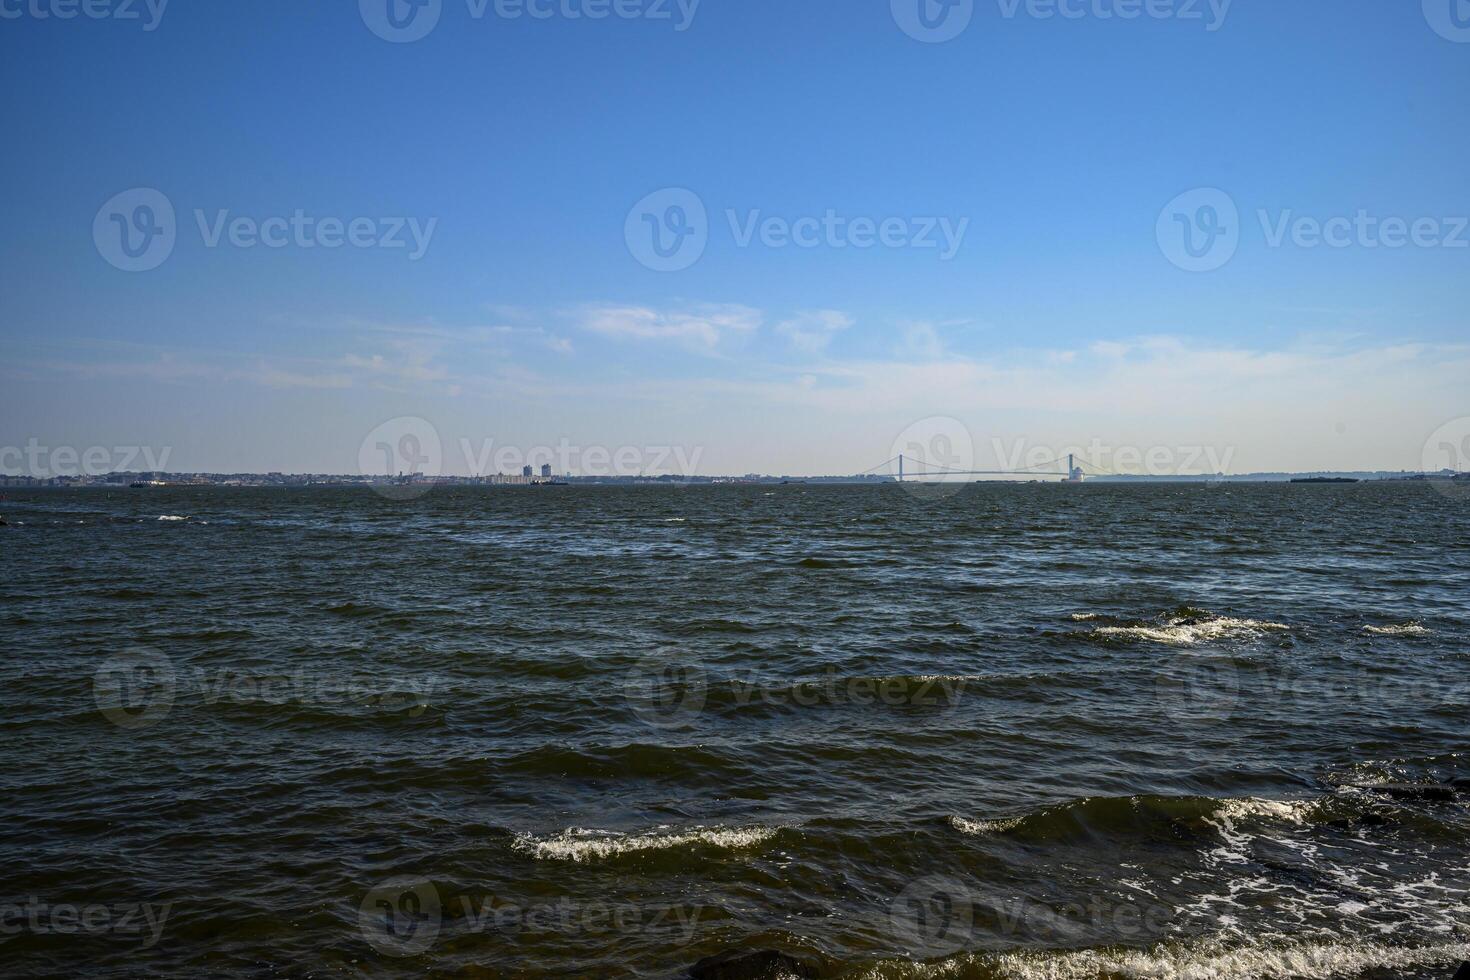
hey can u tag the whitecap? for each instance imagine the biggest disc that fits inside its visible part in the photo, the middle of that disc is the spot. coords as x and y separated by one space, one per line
1181 631
1292 811
965 825
581 845
171 517
1401 629
1231 813
1215 960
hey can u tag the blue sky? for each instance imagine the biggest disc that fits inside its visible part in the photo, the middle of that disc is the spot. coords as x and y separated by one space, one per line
521 144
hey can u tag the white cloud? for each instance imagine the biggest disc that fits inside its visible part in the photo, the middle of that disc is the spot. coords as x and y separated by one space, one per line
813 331
702 328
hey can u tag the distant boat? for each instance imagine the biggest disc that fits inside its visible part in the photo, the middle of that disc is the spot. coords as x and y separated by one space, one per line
1326 479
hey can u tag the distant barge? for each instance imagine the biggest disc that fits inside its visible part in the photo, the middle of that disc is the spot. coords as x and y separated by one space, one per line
1325 479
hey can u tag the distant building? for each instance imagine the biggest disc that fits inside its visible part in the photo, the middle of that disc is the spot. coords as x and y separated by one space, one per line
526 470
545 471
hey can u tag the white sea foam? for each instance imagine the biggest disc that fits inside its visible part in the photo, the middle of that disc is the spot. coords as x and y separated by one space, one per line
578 844
1211 959
1181 631
1291 811
1303 960
1086 617
1227 819
171 517
1402 629
965 825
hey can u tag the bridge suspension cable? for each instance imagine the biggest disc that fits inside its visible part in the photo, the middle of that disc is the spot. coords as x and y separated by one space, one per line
930 469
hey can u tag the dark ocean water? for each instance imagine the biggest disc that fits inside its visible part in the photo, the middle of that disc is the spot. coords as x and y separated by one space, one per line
1016 731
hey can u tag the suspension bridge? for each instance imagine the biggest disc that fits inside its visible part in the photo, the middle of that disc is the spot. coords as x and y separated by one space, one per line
1068 469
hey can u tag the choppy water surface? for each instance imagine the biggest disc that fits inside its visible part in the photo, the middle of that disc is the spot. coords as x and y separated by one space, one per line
1018 731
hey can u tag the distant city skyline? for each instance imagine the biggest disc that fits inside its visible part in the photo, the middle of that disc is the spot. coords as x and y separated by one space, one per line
527 230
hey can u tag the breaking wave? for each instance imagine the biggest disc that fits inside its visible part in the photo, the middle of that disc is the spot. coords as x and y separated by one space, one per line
1401 629
965 825
1122 815
1208 959
1183 627
580 845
